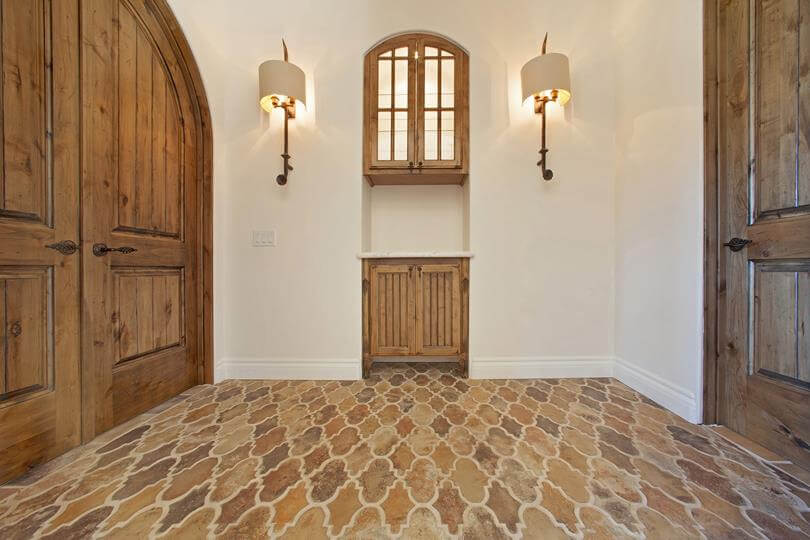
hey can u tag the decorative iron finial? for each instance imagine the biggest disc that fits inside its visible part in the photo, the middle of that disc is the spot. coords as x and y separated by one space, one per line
286 54
542 49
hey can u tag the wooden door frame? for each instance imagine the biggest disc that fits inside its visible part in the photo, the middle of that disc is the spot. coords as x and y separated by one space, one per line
205 240
711 267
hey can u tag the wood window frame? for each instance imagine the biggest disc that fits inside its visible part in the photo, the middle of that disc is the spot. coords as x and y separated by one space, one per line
410 172
372 105
459 58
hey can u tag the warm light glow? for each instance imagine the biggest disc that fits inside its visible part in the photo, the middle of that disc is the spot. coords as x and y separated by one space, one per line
560 97
272 101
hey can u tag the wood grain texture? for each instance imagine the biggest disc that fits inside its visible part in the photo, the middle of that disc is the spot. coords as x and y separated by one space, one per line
25 43
732 193
149 136
149 307
777 46
710 243
803 181
409 171
775 342
391 290
415 307
766 401
27 311
143 107
440 308
803 326
204 171
39 409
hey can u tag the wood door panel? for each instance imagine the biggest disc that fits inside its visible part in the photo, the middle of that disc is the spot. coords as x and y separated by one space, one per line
26 331
392 303
439 309
781 320
26 51
25 295
134 380
777 99
149 307
150 135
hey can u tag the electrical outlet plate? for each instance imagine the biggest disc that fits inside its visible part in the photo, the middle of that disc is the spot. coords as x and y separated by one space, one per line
264 238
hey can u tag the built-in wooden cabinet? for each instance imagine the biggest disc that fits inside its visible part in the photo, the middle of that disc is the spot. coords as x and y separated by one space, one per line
415 307
416 111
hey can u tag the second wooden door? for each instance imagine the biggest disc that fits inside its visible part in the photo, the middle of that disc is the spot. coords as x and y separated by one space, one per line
140 222
763 351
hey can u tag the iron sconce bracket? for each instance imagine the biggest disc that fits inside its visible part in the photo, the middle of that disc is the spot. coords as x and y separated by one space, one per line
289 112
540 108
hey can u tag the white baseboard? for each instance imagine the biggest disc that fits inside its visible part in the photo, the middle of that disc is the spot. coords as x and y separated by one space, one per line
340 369
220 371
520 367
673 397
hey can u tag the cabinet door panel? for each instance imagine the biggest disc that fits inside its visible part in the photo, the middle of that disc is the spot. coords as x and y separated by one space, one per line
392 310
438 315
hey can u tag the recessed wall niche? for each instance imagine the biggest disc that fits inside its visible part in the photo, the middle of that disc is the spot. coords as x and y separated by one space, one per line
415 218
416 145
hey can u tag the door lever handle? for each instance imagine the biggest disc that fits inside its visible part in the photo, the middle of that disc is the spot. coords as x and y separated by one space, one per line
99 250
736 244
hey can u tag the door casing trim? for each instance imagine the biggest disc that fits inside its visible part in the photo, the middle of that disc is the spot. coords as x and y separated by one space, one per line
710 214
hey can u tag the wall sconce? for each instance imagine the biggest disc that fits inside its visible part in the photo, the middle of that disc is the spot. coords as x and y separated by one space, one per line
546 78
280 85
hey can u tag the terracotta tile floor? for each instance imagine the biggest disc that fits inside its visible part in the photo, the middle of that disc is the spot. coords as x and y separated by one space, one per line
414 452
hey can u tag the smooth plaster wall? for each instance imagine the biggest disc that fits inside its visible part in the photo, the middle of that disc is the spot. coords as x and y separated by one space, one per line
548 256
659 195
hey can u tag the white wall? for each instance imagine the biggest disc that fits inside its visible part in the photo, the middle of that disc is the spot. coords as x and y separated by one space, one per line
659 204
547 255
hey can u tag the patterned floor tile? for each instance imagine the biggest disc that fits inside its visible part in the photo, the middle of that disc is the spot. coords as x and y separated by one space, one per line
415 451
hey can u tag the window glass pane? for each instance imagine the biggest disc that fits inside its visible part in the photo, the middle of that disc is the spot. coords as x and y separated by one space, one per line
448 82
402 51
401 135
383 135
386 53
431 51
384 84
401 83
448 135
445 53
431 83
431 135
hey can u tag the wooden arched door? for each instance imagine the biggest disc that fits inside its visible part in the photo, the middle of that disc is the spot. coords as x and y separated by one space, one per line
106 145
143 205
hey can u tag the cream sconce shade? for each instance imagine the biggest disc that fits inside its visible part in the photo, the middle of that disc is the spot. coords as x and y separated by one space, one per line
278 81
546 78
281 84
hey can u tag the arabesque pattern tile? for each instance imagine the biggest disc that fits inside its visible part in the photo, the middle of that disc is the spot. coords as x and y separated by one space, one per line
413 452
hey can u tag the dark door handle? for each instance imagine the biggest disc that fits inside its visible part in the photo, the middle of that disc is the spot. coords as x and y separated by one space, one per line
99 250
65 247
736 244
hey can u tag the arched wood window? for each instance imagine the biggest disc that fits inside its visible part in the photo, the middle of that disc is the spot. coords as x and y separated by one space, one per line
416 112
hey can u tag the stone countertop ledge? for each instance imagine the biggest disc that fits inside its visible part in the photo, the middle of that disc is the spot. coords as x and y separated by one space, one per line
414 254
